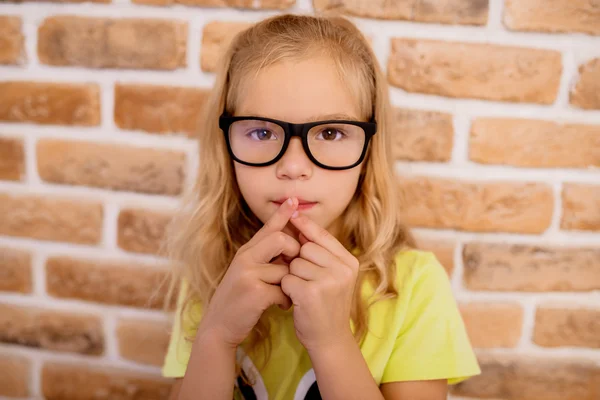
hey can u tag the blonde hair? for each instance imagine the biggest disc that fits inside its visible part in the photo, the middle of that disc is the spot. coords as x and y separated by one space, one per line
215 220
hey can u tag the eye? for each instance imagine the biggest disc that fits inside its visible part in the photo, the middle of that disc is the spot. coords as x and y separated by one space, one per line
262 135
330 134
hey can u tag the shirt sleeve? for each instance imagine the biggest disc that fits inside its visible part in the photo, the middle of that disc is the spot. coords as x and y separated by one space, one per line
180 349
432 342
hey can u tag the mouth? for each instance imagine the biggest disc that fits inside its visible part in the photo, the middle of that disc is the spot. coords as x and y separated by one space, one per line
302 204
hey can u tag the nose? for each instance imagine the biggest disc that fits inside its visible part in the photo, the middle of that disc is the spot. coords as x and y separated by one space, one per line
294 164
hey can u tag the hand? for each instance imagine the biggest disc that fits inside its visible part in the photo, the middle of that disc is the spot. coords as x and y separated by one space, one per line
251 283
321 285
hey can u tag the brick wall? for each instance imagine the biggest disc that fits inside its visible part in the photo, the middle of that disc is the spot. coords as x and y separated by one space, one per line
497 142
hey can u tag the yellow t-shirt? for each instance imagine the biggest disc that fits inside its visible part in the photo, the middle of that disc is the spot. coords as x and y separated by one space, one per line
419 335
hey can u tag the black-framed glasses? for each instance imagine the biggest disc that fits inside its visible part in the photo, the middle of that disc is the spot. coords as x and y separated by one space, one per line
331 144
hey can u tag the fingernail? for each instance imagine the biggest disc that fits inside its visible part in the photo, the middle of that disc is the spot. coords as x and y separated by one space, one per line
290 201
295 214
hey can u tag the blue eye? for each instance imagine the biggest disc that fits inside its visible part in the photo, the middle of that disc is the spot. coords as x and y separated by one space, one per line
262 135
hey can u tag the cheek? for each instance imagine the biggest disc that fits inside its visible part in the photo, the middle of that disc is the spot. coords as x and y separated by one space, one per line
251 182
345 183
245 179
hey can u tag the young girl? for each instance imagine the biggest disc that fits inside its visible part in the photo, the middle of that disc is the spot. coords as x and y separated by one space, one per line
296 207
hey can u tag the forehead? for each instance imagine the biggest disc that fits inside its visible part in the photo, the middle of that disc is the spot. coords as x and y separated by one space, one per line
297 91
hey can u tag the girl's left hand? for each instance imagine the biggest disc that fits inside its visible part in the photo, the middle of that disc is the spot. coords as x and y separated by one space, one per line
321 285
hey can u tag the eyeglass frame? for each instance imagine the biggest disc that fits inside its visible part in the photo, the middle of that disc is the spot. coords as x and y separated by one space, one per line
300 130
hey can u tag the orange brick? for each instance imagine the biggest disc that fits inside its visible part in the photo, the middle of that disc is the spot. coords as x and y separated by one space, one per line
48 218
556 327
581 207
501 267
52 330
12 159
110 166
533 143
493 325
145 342
112 43
83 381
466 12
532 378
12 49
159 109
247 4
472 70
476 206
216 37
422 135
50 103
14 379
106 282
443 250
15 271
586 92
142 231
561 16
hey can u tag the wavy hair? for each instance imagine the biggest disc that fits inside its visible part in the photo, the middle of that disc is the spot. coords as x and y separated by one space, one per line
215 221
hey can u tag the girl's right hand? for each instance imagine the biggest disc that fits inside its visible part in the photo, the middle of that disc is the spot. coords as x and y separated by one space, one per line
251 283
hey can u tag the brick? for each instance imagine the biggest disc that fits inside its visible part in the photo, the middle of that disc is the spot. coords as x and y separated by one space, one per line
216 37
581 207
12 159
61 381
532 378
51 330
466 12
111 166
244 4
422 135
14 379
142 231
50 103
476 206
534 143
106 282
145 342
493 325
586 91
562 16
443 250
503 267
15 271
49 218
472 70
159 109
112 43
12 48
557 327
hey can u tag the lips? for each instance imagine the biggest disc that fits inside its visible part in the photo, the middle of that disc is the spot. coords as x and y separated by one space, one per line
302 203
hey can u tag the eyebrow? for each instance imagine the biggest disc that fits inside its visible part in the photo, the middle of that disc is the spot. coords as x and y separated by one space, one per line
324 117
340 116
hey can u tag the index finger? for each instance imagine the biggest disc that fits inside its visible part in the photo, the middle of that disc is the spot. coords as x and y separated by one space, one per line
315 233
278 220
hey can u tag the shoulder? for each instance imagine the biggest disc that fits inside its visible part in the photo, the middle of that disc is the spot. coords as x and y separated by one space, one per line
417 267
190 310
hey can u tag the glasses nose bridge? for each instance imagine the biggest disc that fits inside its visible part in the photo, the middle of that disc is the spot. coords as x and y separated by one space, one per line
295 130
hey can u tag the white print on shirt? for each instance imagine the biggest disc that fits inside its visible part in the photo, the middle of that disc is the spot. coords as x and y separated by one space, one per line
304 387
307 387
